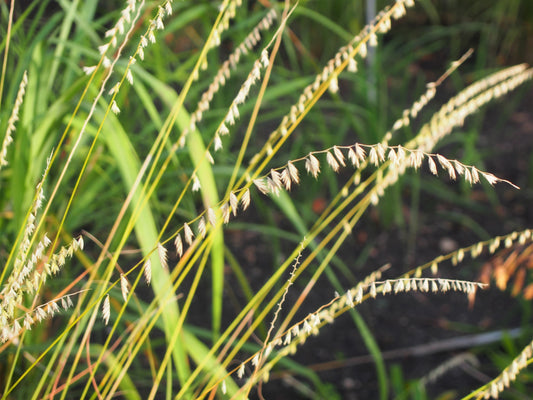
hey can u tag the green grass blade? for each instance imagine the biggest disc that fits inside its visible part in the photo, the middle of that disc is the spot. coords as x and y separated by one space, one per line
146 232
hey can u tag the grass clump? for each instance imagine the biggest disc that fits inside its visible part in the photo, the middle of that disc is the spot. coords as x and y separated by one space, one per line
135 143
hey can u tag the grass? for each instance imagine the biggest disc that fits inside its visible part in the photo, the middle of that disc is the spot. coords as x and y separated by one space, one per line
140 143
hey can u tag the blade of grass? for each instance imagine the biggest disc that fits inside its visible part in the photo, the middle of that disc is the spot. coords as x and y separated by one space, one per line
205 174
146 232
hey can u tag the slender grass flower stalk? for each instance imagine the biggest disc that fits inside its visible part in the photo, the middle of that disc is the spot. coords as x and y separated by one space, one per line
8 138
